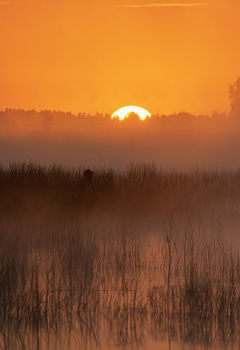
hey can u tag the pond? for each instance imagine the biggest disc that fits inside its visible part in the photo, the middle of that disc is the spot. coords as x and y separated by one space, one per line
116 282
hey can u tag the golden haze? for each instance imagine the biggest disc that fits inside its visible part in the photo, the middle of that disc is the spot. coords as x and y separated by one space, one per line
90 56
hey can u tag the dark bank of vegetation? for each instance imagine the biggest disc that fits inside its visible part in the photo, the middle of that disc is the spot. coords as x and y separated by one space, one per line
49 122
176 141
141 189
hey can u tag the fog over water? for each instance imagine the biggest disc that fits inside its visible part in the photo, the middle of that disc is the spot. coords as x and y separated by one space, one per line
155 264
179 141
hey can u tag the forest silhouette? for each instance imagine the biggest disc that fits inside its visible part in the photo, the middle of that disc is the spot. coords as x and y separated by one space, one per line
178 140
155 261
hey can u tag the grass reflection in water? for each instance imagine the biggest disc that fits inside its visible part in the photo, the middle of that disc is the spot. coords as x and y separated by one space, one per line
152 262
74 286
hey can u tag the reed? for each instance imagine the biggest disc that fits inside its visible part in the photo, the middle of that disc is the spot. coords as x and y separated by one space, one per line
141 188
83 282
79 279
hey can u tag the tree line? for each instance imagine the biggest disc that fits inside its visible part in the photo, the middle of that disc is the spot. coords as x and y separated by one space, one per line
11 117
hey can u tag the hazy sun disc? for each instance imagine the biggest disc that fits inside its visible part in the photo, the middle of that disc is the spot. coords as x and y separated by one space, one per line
124 112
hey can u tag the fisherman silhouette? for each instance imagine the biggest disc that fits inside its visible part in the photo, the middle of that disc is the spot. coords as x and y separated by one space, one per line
83 195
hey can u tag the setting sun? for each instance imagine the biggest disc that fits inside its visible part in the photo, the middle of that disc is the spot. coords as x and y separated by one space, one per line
124 112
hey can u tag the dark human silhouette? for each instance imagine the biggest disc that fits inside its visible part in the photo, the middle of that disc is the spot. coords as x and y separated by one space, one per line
83 194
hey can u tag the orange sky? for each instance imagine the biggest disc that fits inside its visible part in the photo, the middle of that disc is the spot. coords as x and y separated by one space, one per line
92 55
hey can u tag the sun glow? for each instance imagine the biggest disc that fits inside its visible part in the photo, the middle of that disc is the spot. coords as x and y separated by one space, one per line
125 112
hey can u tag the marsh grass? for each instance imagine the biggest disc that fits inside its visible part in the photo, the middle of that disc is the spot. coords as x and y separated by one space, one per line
75 283
143 189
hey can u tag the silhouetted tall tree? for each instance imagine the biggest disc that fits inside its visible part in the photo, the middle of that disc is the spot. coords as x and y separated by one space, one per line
234 96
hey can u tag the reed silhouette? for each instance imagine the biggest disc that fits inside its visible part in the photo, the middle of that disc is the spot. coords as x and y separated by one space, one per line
152 261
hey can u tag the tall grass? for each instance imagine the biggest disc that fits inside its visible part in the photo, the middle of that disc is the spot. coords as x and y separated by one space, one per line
141 189
74 282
